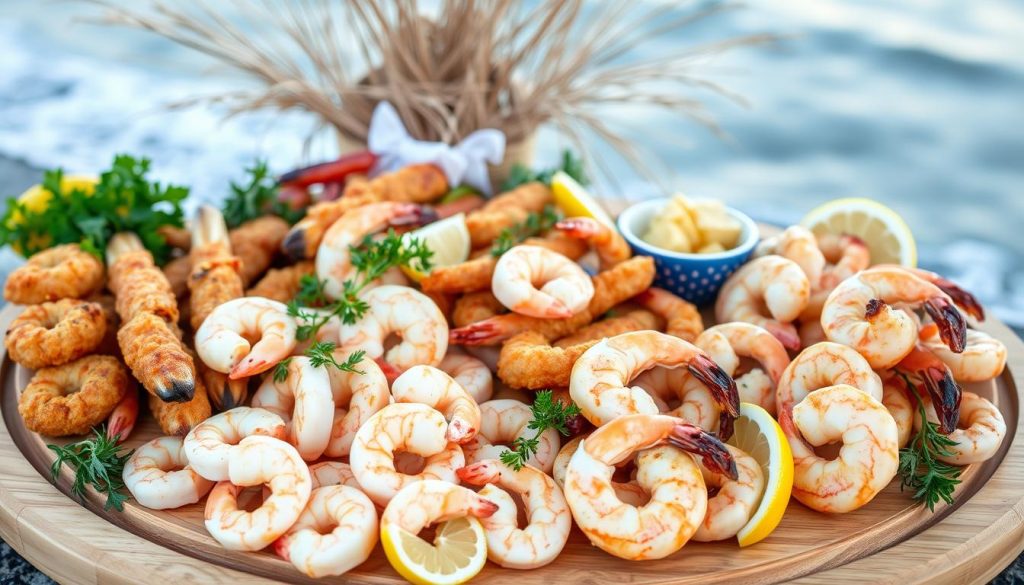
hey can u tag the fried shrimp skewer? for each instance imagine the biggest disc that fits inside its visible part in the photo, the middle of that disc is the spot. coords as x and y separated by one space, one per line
148 308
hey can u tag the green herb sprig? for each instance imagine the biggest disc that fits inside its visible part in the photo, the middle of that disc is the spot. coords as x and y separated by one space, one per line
547 414
123 200
321 354
534 224
571 165
96 461
256 197
930 479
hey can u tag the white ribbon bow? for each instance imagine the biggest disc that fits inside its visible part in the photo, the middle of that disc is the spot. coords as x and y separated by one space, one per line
464 163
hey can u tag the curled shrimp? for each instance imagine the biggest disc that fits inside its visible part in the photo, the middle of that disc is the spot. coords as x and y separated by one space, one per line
600 376
826 364
565 289
304 401
771 282
736 500
407 313
983 357
728 343
258 460
471 373
357 396
867 460
858 313
159 477
335 532
938 382
980 432
798 244
436 389
963 299
547 513
895 400
502 422
610 246
328 473
411 428
682 319
845 256
678 496
222 341
630 492
208 445
333 261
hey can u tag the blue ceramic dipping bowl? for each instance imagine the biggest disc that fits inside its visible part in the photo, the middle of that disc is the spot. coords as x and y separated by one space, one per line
694 277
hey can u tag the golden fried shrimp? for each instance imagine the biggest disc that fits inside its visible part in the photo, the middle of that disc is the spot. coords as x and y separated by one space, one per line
736 500
256 243
223 392
537 282
178 418
72 398
475 274
474 307
548 517
258 460
983 357
176 237
635 320
471 373
61 272
858 313
138 285
417 183
177 272
109 344
682 318
606 241
867 460
825 364
895 400
529 361
678 500
504 211
302 240
611 287
157 358
215 275
769 284
502 422
159 478
980 432
282 284
433 387
55 333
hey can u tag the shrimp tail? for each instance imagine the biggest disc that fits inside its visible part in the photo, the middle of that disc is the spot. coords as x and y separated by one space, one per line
786 334
479 333
280 547
721 385
414 214
578 227
963 299
951 322
122 419
943 390
482 507
480 473
391 372
711 450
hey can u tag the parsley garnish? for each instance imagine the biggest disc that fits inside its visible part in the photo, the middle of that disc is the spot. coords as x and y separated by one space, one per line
96 461
321 354
919 470
534 224
547 414
571 165
257 197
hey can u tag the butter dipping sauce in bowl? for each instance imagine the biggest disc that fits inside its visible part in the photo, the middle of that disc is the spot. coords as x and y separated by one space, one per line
694 277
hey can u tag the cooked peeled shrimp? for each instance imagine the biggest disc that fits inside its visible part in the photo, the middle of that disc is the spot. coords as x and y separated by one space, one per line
436 389
547 514
565 289
894 398
867 460
208 445
357 397
967 302
258 460
328 473
600 376
411 428
770 282
334 533
678 496
846 255
980 432
983 358
858 314
503 421
610 246
682 318
798 244
825 364
407 313
611 287
731 508
470 373
630 492
635 320
159 478
938 382
304 401
222 341
729 342
333 262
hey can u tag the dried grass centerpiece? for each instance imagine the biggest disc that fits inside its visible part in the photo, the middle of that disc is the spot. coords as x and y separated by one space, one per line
453 66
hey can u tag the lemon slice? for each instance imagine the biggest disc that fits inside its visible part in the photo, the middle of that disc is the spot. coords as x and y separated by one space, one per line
882 229
36 198
575 201
448 239
458 553
757 434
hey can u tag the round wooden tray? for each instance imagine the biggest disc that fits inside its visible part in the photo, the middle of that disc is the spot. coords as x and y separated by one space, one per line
890 540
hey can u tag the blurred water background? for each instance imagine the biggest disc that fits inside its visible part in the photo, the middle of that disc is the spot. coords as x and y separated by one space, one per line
919 104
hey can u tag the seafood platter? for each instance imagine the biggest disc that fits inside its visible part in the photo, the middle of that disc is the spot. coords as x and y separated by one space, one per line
356 374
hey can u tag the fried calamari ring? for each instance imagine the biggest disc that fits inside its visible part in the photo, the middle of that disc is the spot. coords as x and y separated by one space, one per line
52 334
72 398
62 272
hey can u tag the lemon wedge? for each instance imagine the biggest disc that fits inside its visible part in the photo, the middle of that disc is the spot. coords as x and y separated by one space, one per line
36 198
448 239
757 434
882 229
575 201
457 554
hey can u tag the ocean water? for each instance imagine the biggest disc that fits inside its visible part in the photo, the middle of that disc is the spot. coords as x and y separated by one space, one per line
918 104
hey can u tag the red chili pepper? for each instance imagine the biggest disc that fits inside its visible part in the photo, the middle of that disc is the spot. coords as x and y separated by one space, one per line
330 172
